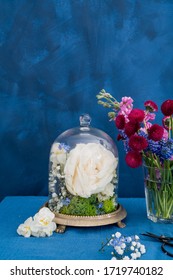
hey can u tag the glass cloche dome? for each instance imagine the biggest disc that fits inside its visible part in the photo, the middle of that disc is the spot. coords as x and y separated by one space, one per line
83 172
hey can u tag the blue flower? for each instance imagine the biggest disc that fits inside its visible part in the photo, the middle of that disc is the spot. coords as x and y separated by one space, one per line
66 201
100 205
65 147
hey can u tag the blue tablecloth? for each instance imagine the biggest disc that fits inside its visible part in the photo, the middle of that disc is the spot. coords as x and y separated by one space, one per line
76 243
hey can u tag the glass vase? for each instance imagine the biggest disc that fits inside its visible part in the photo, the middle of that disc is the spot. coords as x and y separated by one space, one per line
159 193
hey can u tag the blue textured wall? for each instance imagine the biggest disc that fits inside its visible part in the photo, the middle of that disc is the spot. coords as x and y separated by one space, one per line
55 56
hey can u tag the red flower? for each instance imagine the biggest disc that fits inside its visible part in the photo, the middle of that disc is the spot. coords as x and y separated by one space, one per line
136 115
167 122
130 128
120 121
151 106
155 132
119 137
137 143
133 159
167 107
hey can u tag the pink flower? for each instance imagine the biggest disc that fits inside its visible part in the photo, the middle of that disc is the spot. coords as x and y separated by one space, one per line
136 115
167 107
120 121
147 126
133 159
155 132
137 143
165 134
126 106
151 106
149 116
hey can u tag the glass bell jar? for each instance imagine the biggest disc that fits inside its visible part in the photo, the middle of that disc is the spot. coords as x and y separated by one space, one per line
83 177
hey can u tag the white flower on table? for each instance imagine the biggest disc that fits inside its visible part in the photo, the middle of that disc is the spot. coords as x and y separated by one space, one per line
126 258
117 234
25 228
89 169
40 226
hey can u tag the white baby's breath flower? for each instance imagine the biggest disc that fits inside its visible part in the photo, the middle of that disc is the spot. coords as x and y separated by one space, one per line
117 248
142 249
58 154
126 258
137 237
117 234
123 245
134 256
120 252
125 248
129 239
25 228
138 254
136 250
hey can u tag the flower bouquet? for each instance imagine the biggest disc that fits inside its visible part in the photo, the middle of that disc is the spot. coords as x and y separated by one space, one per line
149 144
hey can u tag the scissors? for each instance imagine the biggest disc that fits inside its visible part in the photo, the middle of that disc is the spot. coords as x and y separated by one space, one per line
165 240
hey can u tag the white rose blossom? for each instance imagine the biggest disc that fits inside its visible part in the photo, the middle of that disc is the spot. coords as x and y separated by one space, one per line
40 225
89 169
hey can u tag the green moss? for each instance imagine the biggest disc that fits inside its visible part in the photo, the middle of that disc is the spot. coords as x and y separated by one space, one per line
79 206
64 210
108 206
93 198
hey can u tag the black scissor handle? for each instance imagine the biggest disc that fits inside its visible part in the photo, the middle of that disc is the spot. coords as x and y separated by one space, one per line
161 238
166 252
